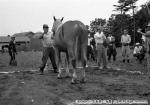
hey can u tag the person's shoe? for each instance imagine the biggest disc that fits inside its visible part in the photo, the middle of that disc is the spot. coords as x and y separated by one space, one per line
101 67
55 71
106 67
123 60
140 62
41 71
114 59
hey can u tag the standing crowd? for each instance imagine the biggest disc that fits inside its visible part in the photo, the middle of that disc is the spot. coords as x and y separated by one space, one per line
106 47
100 48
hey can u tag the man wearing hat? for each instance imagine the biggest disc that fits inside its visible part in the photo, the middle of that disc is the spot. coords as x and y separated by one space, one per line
100 39
12 50
147 35
48 48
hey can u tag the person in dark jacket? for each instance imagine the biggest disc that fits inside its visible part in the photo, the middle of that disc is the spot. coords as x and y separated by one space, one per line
111 50
12 50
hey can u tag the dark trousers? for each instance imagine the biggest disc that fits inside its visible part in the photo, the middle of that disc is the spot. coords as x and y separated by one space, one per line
48 52
140 56
90 53
12 57
111 51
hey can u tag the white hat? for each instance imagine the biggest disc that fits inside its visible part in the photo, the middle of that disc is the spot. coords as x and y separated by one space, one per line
137 43
148 25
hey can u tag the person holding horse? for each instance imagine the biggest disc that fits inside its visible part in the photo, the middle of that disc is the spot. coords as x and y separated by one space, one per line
48 49
12 50
111 51
100 39
126 40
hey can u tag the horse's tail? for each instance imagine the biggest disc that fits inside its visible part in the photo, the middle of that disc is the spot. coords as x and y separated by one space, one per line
80 50
78 47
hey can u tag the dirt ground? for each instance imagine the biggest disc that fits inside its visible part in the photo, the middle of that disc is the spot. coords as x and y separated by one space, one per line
29 88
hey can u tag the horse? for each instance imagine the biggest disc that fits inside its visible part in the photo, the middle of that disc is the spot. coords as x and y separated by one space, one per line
3 48
71 37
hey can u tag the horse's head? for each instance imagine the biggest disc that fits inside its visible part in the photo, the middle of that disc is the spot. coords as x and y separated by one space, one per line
56 24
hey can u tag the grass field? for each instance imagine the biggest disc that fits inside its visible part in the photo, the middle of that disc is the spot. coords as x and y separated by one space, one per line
30 88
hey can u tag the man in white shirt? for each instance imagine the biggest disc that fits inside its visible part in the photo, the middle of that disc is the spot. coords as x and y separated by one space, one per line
48 49
126 40
100 39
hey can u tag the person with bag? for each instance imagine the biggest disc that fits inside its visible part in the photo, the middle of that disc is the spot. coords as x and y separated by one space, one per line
100 39
12 52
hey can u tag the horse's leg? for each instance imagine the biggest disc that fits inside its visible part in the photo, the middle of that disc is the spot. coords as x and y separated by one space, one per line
73 61
59 65
74 76
67 65
84 60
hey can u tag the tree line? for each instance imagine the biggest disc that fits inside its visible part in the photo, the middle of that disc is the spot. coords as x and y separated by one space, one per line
127 17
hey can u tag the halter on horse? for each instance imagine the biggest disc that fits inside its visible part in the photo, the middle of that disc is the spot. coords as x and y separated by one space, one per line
71 37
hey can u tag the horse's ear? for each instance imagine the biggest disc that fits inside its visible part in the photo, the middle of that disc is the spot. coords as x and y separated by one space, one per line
62 19
54 18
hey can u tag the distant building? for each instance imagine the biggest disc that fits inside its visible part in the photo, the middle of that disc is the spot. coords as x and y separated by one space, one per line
20 41
24 41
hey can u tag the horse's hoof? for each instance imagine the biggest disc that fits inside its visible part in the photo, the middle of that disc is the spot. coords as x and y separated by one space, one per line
83 81
55 71
59 77
74 82
40 72
67 76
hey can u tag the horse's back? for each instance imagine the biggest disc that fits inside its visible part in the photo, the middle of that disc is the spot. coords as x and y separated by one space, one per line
74 28
68 32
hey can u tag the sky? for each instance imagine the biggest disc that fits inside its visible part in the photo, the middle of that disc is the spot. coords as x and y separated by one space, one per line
29 15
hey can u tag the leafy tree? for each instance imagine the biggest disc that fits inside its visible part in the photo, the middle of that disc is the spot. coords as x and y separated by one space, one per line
96 23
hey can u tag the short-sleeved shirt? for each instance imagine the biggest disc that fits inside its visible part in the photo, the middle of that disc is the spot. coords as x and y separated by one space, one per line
125 39
99 37
48 40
